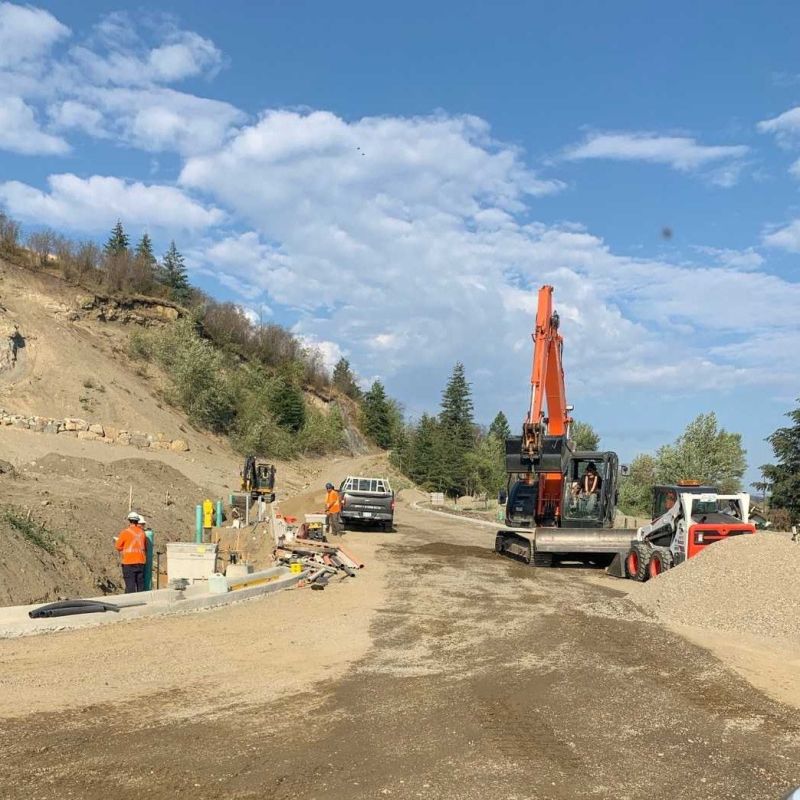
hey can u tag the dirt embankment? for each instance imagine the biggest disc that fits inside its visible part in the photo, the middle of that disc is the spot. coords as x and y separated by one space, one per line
58 517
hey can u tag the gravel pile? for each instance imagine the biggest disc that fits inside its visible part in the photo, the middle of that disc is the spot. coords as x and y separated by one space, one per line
748 585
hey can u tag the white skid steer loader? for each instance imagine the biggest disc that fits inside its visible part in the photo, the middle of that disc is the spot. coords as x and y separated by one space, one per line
687 518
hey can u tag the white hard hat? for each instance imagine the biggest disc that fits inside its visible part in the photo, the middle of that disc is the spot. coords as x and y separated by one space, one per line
141 521
133 517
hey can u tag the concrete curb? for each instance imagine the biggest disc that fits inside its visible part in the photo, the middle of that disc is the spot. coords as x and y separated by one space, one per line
14 620
483 523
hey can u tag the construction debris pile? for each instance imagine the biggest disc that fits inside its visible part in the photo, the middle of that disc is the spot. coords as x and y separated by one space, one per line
747 585
323 561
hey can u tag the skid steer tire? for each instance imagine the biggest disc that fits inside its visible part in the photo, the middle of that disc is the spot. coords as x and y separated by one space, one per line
637 563
660 561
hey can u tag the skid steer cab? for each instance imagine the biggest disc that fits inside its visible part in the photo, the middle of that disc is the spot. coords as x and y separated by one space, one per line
687 518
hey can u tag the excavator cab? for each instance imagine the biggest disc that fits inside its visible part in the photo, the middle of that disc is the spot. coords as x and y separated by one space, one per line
583 509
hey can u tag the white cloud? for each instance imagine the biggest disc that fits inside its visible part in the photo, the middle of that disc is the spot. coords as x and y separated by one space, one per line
679 152
786 126
794 170
95 203
113 85
786 237
154 119
27 33
20 132
736 259
406 235
120 57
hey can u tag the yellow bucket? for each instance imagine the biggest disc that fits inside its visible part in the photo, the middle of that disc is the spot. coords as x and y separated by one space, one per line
296 567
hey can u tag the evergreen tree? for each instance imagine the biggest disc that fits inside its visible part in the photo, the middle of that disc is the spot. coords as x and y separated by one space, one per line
584 436
344 379
144 251
425 466
376 416
286 404
457 430
784 477
500 428
486 468
118 242
174 274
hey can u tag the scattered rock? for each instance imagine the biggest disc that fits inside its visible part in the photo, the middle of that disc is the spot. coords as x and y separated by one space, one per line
140 440
88 436
179 446
98 429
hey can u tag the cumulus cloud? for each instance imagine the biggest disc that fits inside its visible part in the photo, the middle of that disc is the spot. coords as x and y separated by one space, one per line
406 241
120 56
27 33
152 119
115 83
95 203
20 132
682 153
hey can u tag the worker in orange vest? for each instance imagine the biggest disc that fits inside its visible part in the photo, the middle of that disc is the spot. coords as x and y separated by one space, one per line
132 546
332 508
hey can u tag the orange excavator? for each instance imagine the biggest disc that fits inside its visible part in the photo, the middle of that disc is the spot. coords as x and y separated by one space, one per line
561 502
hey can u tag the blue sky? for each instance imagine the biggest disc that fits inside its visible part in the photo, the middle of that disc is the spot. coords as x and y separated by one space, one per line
395 182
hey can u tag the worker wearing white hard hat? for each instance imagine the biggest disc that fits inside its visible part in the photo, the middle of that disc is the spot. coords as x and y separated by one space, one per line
132 546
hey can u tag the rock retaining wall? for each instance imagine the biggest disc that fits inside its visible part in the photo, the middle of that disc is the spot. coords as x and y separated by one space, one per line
93 431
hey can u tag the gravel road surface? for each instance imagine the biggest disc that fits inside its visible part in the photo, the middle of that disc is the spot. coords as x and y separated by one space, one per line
471 677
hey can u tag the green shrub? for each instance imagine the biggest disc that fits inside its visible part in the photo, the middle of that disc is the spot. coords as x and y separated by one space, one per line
36 534
322 433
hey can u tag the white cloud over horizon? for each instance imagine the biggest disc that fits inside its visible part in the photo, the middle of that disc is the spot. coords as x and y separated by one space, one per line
417 259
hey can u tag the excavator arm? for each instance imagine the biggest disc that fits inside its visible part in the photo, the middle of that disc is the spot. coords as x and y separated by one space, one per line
547 380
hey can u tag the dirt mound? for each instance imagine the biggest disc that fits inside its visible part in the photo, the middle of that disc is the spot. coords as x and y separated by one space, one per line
747 585
58 517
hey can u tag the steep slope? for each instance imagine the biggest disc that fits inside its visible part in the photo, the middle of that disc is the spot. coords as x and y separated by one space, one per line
68 492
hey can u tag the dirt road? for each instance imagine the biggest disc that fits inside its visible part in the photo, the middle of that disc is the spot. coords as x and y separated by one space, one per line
468 677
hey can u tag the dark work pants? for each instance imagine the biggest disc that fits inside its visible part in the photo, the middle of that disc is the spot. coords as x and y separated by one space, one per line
134 577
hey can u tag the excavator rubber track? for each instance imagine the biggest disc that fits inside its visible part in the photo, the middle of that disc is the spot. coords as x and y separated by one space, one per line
539 546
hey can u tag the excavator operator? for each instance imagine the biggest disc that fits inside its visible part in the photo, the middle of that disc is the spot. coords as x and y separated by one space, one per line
590 486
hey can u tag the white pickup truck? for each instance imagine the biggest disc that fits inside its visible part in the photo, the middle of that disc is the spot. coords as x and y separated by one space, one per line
367 500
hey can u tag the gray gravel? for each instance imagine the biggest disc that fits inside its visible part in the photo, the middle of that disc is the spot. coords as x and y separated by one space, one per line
748 585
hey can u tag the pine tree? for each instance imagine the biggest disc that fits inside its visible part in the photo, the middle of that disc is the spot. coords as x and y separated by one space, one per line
458 430
784 477
344 380
425 464
286 404
500 428
118 242
144 250
376 416
175 274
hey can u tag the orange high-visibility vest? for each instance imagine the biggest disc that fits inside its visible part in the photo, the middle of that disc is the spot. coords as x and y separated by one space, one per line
132 544
332 504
